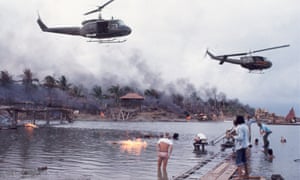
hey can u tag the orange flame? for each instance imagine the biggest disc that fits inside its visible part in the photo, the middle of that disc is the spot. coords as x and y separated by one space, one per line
102 115
133 146
30 125
29 129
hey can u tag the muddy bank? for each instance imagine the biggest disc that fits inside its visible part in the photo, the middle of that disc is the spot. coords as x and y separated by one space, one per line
160 116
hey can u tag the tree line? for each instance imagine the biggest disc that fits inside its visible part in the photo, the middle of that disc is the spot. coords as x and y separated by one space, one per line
52 91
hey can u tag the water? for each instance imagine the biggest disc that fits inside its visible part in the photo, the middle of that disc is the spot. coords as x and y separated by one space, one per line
83 150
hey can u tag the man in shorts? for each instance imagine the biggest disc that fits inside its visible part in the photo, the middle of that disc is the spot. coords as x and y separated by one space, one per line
265 131
164 151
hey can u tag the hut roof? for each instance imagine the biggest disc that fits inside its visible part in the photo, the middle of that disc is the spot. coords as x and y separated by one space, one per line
132 96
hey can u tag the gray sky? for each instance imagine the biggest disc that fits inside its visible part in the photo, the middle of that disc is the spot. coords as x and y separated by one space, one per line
168 43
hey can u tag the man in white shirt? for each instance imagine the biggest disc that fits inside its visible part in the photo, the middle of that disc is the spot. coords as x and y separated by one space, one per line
241 145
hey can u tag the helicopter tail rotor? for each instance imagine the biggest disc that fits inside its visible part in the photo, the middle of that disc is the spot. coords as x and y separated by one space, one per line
205 54
41 24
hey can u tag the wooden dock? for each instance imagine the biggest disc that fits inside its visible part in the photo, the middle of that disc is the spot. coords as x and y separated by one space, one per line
223 171
226 171
33 114
193 173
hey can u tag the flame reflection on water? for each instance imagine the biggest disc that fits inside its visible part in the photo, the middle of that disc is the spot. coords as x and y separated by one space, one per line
134 147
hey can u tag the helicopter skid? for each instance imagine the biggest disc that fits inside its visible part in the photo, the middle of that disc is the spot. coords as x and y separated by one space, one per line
256 71
109 41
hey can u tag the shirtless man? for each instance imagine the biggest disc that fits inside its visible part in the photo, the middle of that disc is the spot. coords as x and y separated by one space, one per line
164 150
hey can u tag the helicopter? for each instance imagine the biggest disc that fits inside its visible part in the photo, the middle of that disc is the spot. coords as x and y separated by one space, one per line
246 60
103 30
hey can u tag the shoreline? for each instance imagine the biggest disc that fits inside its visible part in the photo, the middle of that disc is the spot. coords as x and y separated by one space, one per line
140 118
154 116
149 118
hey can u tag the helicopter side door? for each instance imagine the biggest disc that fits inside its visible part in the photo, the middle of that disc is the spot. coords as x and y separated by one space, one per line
102 27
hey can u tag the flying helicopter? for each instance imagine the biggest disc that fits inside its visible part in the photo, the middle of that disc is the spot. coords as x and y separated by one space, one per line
103 30
246 60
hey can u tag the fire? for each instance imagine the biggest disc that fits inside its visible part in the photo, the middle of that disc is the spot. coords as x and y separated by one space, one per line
30 125
188 117
29 128
102 115
133 146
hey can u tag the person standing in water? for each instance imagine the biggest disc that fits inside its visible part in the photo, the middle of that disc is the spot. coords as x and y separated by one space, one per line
164 151
241 144
249 122
265 131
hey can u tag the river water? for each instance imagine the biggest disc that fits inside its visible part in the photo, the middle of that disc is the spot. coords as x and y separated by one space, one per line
90 150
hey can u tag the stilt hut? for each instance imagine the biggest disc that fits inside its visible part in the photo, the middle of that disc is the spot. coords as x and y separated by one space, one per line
132 101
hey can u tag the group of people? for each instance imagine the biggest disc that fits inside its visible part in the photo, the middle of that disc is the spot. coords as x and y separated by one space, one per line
242 139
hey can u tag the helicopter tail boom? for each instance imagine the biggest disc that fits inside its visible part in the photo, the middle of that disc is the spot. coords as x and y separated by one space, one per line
224 58
61 30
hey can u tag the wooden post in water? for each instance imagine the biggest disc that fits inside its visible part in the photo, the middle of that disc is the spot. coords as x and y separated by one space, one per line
33 112
61 116
14 120
46 115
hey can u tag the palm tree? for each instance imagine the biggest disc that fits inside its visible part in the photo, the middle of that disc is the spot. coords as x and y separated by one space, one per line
5 78
152 93
50 83
63 83
27 78
97 92
77 91
115 91
125 90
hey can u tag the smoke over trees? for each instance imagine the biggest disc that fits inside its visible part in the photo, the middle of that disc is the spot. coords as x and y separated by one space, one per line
179 98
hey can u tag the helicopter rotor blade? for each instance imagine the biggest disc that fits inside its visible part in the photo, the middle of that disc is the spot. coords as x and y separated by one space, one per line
236 54
105 4
99 8
267 49
231 55
92 11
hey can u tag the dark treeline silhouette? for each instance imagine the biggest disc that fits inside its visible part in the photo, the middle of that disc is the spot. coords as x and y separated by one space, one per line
58 92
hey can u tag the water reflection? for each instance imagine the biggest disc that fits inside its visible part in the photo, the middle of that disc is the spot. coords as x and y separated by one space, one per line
162 174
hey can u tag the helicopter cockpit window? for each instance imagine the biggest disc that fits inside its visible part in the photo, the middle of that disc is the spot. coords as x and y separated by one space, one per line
114 26
121 23
259 58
